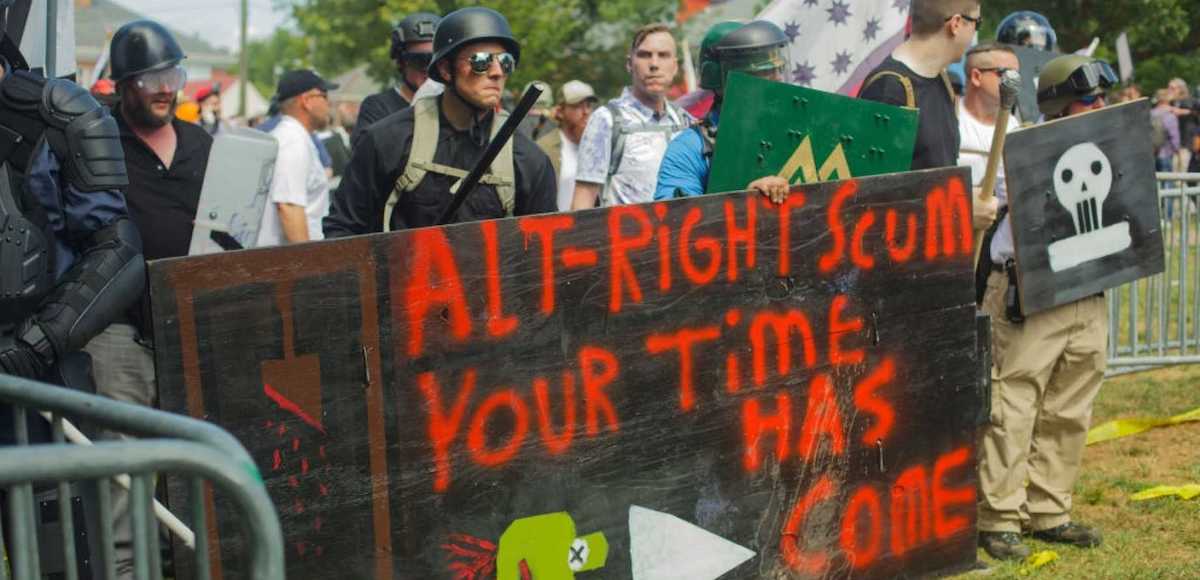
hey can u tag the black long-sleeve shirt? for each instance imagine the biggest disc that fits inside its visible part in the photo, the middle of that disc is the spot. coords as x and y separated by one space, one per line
380 156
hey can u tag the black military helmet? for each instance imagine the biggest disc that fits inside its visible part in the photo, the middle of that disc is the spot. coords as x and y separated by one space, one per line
1027 28
467 25
142 46
416 27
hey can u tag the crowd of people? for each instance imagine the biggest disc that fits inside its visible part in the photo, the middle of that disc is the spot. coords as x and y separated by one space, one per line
393 162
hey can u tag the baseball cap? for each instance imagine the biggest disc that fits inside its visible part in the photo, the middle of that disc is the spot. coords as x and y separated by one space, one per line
297 82
575 92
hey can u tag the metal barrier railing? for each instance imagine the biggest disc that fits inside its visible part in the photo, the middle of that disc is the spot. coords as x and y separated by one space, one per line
179 445
1156 321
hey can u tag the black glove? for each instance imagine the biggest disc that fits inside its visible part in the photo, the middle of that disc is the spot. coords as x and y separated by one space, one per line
20 356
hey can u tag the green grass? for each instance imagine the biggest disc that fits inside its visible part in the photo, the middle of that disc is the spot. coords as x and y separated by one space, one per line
1153 539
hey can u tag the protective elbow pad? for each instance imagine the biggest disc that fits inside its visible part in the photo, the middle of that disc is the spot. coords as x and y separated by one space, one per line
96 291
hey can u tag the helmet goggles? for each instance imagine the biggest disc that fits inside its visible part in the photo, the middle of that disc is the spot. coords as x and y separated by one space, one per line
168 80
1087 79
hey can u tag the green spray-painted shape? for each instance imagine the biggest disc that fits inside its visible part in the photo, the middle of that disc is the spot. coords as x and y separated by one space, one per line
550 548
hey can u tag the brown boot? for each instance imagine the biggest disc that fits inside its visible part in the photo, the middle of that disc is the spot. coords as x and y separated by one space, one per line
1004 545
1071 533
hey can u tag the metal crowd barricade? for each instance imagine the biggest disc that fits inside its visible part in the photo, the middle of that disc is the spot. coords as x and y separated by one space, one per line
175 444
1156 321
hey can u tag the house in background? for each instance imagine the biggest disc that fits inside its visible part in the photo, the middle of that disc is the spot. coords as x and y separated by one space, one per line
97 20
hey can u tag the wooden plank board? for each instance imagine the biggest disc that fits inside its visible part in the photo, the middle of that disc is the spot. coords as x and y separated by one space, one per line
1062 254
792 390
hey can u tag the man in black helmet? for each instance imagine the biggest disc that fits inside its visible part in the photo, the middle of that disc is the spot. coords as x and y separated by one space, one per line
166 159
70 258
403 167
411 50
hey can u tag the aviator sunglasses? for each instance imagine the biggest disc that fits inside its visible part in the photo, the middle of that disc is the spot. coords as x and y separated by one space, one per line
482 61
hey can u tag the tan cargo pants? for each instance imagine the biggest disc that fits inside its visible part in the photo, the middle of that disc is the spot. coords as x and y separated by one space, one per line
1046 373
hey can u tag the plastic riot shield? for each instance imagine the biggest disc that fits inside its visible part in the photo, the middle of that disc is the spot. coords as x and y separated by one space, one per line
236 184
1084 205
805 135
1032 61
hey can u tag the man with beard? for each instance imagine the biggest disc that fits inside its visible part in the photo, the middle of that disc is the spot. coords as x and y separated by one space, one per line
411 49
166 160
299 190
404 168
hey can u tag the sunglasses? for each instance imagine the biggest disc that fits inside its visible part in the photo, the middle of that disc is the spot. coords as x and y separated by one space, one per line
975 20
481 62
169 80
1088 100
419 60
999 70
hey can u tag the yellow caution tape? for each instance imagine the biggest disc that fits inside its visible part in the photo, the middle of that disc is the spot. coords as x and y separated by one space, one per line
1185 492
1035 561
1126 427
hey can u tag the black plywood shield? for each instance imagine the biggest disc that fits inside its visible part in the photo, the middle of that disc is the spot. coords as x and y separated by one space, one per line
1048 166
1032 61
685 389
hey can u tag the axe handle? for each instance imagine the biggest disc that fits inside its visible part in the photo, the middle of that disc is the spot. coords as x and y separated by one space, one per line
993 167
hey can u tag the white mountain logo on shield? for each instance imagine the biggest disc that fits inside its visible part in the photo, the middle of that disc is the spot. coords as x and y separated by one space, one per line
1083 179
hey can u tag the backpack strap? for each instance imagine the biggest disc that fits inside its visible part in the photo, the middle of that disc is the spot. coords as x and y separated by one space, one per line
910 96
950 91
622 128
426 126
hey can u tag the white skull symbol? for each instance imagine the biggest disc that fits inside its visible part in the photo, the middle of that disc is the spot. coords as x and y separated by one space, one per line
1082 180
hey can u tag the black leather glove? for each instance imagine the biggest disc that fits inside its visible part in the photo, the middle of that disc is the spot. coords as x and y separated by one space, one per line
18 358
20 355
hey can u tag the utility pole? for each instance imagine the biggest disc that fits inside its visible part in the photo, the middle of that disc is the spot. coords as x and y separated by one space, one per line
244 64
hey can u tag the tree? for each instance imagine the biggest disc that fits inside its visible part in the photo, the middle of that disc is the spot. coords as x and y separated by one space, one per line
560 39
272 56
1163 34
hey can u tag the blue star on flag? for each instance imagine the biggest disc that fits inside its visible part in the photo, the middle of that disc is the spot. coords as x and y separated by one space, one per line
872 29
901 5
792 30
838 12
841 63
804 74
810 2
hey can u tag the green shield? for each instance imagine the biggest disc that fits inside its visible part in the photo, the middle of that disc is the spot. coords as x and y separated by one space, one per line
805 135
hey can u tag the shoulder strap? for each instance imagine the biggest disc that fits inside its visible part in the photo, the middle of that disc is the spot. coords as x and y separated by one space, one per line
619 130
708 138
910 96
427 124
950 91
420 155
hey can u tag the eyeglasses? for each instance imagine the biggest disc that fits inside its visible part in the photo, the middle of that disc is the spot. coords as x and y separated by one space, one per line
169 80
481 62
1085 79
1089 100
977 21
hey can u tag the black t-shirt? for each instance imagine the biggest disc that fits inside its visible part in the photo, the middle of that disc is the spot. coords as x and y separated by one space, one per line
162 201
374 108
379 158
937 123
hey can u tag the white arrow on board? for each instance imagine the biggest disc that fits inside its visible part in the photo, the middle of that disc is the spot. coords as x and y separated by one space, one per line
664 547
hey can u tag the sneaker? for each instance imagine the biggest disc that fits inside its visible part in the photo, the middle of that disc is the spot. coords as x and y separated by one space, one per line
1004 545
1071 533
